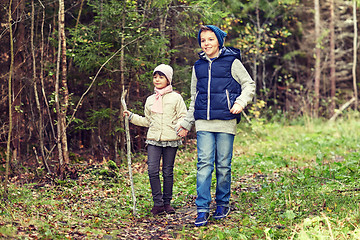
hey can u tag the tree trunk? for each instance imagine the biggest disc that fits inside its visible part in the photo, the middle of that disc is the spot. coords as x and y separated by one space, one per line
7 164
355 56
34 72
332 57
65 92
19 59
40 123
317 58
162 25
257 47
42 147
122 86
48 110
57 101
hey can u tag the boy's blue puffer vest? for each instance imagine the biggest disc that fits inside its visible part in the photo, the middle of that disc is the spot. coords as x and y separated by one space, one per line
215 95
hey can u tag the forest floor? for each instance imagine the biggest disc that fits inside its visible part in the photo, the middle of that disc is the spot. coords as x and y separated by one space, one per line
97 204
296 181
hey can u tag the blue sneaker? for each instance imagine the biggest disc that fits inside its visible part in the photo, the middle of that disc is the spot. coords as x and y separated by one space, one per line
202 219
221 212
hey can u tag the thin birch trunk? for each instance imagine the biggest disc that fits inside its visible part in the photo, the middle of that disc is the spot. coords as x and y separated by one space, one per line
57 104
65 103
18 85
332 56
317 58
42 76
355 56
162 25
40 124
122 84
7 165
42 84
257 44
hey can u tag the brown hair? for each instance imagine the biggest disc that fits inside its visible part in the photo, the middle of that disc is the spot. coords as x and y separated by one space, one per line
204 28
163 75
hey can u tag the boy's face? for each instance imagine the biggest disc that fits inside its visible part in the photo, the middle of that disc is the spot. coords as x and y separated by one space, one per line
209 43
160 81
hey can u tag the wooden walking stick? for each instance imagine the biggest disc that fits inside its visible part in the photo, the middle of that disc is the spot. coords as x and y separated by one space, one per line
128 147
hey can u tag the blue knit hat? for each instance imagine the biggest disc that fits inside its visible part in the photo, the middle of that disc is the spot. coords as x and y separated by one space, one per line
220 35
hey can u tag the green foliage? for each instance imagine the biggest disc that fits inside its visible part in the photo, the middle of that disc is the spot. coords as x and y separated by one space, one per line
217 233
94 117
199 12
88 53
95 43
108 171
290 55
76 158
112 165
262 29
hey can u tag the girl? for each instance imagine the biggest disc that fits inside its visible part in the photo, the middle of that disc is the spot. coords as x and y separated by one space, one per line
163 112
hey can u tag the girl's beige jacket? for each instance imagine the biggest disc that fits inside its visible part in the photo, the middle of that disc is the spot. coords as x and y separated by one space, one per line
162 126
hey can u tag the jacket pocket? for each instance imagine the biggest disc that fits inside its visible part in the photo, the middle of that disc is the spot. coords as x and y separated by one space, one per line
199 101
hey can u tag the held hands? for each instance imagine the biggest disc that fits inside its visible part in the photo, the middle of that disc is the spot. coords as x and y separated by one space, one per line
236 109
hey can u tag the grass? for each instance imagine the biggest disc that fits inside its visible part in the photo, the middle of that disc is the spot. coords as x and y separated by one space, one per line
294 181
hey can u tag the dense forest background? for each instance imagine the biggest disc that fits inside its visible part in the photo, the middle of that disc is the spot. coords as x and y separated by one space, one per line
64 65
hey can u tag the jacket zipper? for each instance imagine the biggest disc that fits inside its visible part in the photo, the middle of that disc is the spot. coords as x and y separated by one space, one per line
208 97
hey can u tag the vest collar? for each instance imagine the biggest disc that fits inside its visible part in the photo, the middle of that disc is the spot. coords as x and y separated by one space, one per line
203 55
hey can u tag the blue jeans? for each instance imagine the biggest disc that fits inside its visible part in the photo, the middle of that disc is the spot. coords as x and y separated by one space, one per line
213 148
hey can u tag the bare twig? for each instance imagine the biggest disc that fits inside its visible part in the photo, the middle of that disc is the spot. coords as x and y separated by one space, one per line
349 190
342 108
246 117
329 179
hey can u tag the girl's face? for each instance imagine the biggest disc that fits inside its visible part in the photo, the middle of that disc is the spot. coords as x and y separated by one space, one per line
209 43
160 81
